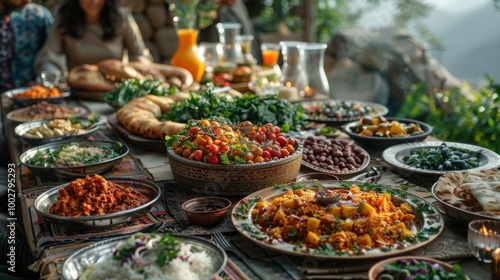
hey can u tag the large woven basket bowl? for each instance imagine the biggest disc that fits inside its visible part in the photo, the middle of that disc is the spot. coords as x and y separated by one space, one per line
236 179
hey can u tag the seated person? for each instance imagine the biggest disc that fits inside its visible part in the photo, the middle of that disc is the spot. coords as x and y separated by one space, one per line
91 31
24 27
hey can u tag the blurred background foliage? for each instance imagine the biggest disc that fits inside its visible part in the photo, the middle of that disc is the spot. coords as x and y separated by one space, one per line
472 118
331 16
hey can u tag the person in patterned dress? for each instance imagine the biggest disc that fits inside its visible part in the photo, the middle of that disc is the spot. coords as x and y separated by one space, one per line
24 28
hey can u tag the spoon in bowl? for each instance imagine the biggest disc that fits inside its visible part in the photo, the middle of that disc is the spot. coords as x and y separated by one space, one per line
326 197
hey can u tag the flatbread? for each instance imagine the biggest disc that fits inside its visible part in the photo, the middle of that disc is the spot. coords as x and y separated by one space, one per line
474 191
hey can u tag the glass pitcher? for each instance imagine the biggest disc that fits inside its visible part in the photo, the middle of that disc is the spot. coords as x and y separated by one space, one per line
293 72
186 55
314 58
228 32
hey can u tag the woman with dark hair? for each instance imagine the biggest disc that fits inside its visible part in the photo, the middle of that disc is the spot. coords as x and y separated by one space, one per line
89 31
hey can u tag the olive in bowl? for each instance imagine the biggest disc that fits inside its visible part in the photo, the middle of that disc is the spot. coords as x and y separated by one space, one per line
206 211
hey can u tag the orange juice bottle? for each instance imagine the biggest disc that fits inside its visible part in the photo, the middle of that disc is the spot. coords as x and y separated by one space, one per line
186 55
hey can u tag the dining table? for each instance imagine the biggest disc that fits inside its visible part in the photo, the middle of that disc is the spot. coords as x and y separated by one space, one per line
51 244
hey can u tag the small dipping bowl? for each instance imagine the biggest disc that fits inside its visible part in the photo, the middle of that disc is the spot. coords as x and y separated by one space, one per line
206 211
316 176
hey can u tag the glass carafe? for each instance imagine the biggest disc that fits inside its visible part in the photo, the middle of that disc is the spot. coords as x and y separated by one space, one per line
314 59
228 32
187 55
293 65
247 58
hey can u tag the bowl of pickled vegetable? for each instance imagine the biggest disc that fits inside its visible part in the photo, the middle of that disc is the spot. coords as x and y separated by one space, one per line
415 268
381 132
221 159
41 132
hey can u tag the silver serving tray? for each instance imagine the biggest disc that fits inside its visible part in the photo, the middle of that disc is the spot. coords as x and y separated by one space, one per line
73 171
148 188
79 261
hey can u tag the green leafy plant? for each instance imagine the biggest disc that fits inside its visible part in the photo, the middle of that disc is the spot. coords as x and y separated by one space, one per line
462 115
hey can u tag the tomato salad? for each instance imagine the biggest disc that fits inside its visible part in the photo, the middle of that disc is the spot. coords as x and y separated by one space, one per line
218 142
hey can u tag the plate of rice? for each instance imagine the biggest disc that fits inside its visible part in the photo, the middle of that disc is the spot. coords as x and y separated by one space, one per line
147 256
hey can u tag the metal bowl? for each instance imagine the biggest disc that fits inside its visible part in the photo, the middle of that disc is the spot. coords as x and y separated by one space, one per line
148 188
235 179
73 171
382 143
30 101
78 262
21 130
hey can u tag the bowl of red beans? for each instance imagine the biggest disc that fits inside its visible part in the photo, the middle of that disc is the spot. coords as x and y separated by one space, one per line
221 159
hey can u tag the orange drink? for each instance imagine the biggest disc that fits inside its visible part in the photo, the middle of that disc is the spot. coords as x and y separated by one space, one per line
270 54
186 55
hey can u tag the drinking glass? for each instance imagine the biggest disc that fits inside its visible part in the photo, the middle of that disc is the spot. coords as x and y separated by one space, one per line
270 57
228 33
213 54
483 237
50 78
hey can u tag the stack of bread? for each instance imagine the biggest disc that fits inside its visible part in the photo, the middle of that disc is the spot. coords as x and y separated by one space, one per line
140 115
101 77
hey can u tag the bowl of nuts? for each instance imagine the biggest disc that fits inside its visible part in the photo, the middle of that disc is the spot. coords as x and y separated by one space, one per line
339 157
220 159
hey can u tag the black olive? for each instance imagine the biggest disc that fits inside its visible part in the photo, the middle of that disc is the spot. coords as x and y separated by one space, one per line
458 163
465 156
457 153
444 151
447 165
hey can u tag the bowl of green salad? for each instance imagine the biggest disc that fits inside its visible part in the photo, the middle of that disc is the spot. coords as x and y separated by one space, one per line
70 159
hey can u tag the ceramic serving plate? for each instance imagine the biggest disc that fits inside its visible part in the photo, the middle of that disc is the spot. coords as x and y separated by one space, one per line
426 226
457 201
394 156
381 143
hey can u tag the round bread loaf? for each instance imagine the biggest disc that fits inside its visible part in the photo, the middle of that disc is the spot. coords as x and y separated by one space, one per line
88 77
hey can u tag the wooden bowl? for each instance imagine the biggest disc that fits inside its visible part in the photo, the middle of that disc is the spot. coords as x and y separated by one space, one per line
206 211
235 179
378 267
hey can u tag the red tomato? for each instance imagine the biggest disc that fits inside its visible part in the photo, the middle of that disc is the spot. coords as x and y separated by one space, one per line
214 149
211 158
291 141
266 154
193 130
282 140
223 148
284 152
198 155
